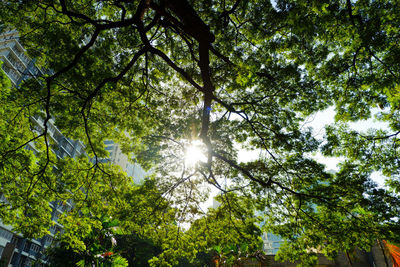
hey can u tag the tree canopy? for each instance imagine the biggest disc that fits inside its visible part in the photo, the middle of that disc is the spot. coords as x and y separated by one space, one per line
158 75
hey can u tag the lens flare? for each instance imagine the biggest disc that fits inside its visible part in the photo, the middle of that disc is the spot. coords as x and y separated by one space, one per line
194 153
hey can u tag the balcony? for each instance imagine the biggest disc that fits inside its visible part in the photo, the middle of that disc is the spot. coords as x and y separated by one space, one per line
11 73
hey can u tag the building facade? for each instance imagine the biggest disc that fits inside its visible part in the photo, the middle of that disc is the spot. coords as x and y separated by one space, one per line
271 243
117 157
15 250
16 64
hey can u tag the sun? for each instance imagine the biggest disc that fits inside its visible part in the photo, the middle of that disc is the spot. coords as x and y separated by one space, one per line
194 153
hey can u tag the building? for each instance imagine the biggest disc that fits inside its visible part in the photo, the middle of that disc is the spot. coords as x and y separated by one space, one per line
16 250
19 251
272 243
16 64
117 157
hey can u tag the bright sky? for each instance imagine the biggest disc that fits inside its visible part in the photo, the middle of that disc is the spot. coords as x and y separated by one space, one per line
318 122
322 118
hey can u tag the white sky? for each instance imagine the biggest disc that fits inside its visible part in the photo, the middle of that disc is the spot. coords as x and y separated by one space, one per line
322 118
317 121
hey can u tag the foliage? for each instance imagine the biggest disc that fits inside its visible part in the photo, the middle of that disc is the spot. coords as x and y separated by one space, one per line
5 84
99 249
237 256
156 76
136 250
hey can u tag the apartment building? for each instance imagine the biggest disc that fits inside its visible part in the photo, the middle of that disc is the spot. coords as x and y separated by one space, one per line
15 250
117 157
271 243
16 64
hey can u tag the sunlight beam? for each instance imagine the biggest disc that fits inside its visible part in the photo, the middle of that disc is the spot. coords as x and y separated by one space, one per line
194 153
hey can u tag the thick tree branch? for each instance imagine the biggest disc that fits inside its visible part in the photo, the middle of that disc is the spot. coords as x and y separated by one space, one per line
181 71
96 91
221 56
192 23
246 172
76 57
230 11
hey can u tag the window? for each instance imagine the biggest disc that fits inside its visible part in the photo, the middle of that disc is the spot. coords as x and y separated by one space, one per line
15 62
79 149
58 137
56 215
35 248
38 128
48 240
14 240
53 229
11 72
51 128
35 71
27 246
68 147
6 234
60 153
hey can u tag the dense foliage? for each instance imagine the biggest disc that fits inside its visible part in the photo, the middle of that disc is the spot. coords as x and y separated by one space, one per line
158 75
